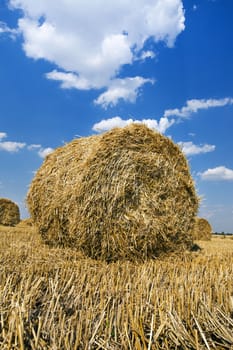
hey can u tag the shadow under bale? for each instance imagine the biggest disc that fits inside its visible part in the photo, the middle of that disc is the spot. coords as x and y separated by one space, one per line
124 194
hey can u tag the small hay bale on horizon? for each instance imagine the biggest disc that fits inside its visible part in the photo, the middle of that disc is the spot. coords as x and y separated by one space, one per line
25 223
124 194
9 212
202 230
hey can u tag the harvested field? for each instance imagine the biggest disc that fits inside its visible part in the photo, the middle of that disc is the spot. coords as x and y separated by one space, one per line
53 298
126 194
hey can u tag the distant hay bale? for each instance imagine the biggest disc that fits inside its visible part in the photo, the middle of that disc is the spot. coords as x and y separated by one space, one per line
202 230
124 194
25 223
9 212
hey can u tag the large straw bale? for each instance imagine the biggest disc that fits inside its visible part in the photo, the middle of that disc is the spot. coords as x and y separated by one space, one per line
202 230
126 193
9 212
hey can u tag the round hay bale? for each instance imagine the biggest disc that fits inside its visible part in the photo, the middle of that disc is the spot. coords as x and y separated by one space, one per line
202 230
9 212
25 223
124 194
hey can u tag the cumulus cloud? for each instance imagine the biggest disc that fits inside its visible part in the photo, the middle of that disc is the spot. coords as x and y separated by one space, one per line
147 54
126 89
4 29
106 124
90 41
69 80
189 148
2 135
218 173
194 105
43 152
33 147
11 146
40 151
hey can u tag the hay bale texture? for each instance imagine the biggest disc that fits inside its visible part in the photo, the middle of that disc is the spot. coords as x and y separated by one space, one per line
202 230
124 194
9 212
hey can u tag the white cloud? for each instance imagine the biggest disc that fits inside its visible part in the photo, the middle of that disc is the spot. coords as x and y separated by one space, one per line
126 89
163 124
147 54
33 147
11 147
2 135
218 173
189 148
43 152
106 124
69 80
90 41
194 105
4 29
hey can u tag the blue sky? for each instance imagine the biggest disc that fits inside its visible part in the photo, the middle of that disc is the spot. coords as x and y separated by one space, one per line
74 68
